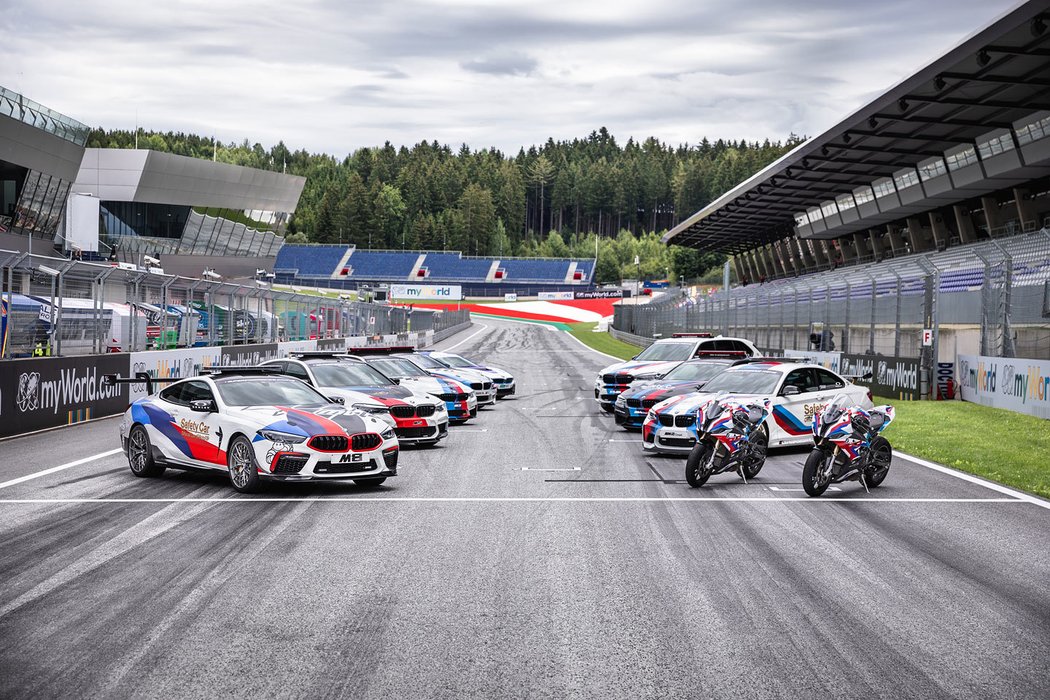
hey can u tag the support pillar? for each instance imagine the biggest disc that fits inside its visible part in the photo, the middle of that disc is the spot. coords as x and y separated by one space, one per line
896 239
819 253
741 273
992 216
941 234
849 250
964 224
862 244
918 235
1026 212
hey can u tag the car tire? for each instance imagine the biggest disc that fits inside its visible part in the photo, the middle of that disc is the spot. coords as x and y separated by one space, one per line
881 456
370 483
812 482
609 407
241 464
140 453
696 471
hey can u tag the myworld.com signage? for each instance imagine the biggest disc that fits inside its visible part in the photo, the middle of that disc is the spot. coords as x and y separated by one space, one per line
46 392
892 377
1006 382
426 292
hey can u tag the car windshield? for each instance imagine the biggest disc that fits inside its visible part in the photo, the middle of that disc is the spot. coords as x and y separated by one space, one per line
428 362
348 374
456 361
396 367
700 372
666 352
267 391
745 381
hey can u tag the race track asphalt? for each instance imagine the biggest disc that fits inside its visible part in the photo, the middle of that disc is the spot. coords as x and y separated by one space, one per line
536 553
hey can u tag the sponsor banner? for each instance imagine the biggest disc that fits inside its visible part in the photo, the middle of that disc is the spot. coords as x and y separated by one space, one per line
426 291
331 344
830 360
890 376
1006 382
170 364
283 349
599 294
510 297
946 381
47 392
555 296
247 354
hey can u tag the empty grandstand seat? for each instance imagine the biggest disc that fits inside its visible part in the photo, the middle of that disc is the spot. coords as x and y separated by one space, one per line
455 267
382 265
309 261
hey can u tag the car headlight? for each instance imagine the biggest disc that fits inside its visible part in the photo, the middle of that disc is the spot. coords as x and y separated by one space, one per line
621 400
439 408
278 436
387 434
651 415
375 408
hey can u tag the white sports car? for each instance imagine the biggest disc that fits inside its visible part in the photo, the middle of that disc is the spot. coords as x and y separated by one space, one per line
501 379
460 401
255 426
478 382
797 391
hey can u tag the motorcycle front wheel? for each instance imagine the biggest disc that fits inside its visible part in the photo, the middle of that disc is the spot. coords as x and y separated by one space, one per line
881 454
698 467
754 462
816 475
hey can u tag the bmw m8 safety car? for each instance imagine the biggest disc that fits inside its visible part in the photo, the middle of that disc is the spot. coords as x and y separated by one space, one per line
796 391
460 401
418 418
256 426
502 380
687 378
478 382
660 358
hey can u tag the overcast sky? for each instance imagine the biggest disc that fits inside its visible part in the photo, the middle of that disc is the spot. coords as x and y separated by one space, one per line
332 76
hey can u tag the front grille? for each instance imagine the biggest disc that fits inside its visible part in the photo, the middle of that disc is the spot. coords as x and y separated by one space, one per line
453 397
677 442
425 411
666 419
634 403
481 386
685 420
649 403
329 443
390 459
348 468
409 433
365 441
402 411
609 378
290 464
624 378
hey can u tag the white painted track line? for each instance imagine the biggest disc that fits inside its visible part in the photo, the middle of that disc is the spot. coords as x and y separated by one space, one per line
596 352
1019 495
453 347
52 470
496 499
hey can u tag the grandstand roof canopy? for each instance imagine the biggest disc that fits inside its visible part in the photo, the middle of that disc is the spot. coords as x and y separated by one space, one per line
995 77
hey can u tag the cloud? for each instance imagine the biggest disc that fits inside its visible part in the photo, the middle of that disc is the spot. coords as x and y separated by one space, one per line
336 75
507 64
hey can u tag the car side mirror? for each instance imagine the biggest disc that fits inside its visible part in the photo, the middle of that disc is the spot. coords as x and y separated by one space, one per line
866 375
337 399
396 380
791 390
635 357
203 406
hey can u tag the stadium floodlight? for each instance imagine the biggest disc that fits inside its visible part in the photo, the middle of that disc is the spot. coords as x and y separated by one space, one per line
211 274
150 260
259 272
48 270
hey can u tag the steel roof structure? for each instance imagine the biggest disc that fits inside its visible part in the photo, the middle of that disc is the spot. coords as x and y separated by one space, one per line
992 79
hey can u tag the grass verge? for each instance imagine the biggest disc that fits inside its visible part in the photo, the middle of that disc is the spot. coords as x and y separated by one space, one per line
602 342
1003 446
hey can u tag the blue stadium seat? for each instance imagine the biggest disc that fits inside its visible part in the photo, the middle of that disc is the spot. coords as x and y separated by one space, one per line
308 261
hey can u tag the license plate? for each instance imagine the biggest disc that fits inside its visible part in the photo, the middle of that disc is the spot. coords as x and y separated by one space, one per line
672 434
355 457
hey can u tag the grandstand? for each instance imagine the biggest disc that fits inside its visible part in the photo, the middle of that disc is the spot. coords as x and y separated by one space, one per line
346 267
914 231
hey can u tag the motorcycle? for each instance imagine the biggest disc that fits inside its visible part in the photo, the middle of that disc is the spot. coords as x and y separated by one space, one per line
730 436
848 446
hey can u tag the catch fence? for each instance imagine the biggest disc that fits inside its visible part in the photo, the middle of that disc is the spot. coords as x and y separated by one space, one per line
53 306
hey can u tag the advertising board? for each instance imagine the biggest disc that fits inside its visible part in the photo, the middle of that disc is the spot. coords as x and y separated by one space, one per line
599 294
892 377
1006 382
555 296
429 292
46 392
